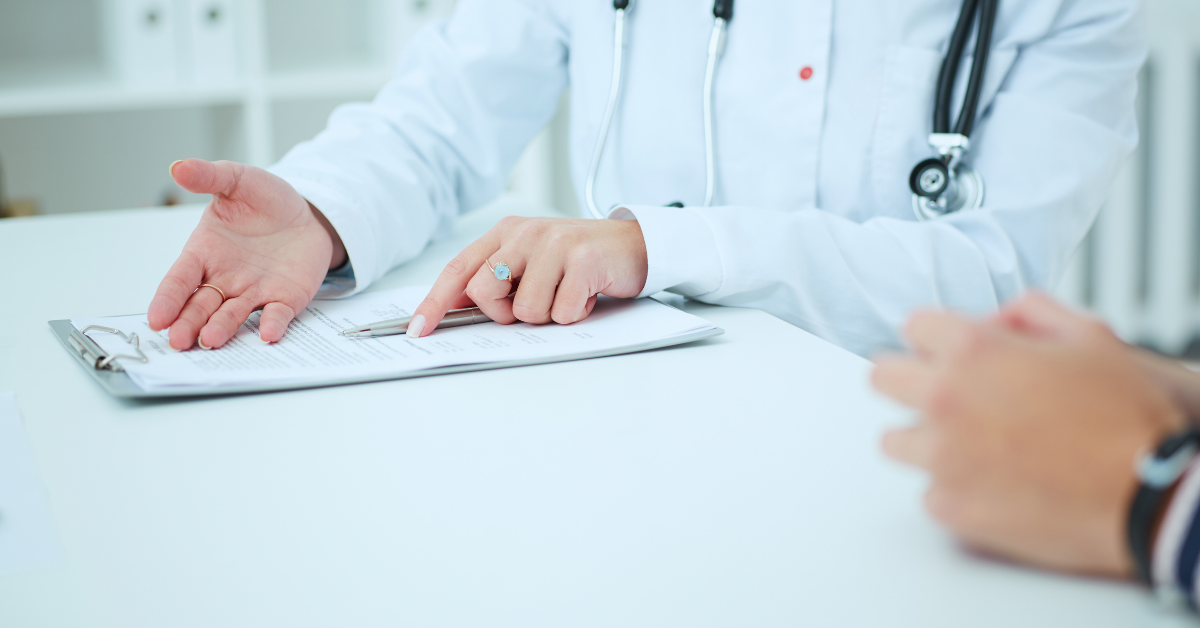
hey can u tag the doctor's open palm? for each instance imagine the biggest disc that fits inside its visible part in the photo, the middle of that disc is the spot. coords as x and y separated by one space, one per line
258 241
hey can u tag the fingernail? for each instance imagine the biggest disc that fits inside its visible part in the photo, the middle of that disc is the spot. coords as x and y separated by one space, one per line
416 326
171 168
200 344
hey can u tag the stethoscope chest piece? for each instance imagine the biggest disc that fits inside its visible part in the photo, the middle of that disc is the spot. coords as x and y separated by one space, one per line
940 189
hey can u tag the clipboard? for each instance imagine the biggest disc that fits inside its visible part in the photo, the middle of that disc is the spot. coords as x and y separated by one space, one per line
107 371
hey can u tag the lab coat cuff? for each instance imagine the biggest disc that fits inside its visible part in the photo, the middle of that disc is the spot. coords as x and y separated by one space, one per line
338 283
681 250
351 226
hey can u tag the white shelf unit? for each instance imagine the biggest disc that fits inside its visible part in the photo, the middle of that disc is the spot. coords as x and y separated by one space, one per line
76 134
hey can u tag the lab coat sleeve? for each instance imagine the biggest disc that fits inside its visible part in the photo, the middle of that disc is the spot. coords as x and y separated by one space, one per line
1059 128
441 137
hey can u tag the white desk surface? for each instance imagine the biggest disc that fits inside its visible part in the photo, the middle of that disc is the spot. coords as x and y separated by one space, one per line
734 482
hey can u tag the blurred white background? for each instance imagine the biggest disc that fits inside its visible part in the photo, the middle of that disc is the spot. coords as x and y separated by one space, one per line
97 97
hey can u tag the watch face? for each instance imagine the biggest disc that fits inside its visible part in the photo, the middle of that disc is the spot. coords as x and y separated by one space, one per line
1161 469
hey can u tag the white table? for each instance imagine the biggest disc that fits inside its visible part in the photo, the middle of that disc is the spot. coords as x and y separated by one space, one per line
734 482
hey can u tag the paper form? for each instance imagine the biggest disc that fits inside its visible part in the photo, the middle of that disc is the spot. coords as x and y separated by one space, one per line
27 539
313 349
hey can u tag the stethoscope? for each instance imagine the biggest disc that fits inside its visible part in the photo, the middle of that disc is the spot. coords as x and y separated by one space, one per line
945 184
940 185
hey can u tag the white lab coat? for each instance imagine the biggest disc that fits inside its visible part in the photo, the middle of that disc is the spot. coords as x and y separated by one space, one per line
812 219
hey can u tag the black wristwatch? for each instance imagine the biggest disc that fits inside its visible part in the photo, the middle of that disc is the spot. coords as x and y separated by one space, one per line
1157 473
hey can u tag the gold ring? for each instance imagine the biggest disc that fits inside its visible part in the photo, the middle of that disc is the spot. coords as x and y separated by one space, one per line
209 285
200 343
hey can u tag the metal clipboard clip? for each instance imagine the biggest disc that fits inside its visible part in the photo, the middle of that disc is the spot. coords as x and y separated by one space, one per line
99 358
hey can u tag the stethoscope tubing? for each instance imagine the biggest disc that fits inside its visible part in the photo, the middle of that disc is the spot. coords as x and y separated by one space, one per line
985 10
723 10
715 44
983 46
614 95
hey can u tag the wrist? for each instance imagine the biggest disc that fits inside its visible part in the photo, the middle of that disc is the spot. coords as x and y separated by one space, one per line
637 251
1159 473
337 257
1180 383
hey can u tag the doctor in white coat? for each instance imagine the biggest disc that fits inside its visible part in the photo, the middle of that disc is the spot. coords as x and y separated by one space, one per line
821 108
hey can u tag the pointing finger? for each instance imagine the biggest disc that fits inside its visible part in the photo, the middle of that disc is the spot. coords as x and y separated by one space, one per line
452 282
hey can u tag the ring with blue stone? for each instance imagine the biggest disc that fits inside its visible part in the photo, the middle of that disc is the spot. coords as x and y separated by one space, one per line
501 270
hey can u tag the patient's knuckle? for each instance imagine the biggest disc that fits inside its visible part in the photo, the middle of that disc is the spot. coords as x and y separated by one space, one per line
971 343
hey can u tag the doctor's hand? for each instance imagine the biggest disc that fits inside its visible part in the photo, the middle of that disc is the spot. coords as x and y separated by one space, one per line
557 266
1030 441
259 241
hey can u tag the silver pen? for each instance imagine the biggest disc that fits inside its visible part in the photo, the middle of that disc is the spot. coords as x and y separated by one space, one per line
396 326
